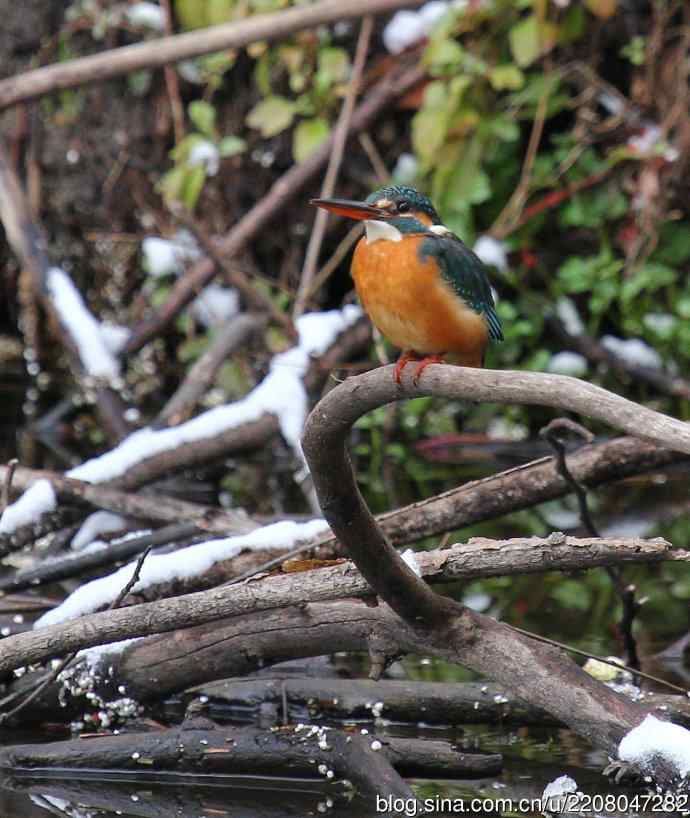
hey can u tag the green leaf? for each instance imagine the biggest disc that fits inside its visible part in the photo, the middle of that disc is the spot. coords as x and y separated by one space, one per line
231 146
193 185
529 39
272 115
428 133
203 115
333 65
307 136
508 76
171 184
649 277
592 209
219 11
467 183
443 56
180 153
192 348
674 243
635 50
191 14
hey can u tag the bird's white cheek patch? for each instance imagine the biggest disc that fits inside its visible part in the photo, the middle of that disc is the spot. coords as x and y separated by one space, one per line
440 230
381 231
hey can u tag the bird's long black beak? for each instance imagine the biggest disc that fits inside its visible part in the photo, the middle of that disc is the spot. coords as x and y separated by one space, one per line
350 209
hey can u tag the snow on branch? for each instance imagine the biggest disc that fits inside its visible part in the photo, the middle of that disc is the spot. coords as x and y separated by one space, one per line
96 358
281 393
180 564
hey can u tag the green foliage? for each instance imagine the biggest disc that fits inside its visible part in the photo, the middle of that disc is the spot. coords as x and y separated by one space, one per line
315 79
635 50
192 14
185 180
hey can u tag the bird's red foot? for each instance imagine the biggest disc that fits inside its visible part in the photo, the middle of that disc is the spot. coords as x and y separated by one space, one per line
403 360
429 359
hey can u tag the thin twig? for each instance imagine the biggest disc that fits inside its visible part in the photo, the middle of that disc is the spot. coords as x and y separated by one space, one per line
132 581
7 485
172 81
508 217
233 272
552 433
332 264
603 659
327 189
369 146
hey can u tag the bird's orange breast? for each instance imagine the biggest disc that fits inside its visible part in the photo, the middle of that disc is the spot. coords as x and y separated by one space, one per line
410 303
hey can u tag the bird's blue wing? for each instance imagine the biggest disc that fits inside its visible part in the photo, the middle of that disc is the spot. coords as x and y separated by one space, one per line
466 274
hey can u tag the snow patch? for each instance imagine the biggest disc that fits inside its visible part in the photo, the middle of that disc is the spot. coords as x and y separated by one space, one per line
654 739
568 363
93 656
177 565
492 252
410 558
633 351
146 15
409 27
281 393
216 305
100 522
207 154
650 140
83 329
569 316
406 169
553 797
38 499
114 336
168 256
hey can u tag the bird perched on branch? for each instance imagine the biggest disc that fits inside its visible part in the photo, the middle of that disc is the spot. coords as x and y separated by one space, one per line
421 286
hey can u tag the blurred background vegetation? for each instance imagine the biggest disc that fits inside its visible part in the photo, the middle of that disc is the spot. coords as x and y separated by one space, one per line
552 135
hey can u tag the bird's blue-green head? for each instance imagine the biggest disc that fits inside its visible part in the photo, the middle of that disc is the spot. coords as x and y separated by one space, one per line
405 208
400 200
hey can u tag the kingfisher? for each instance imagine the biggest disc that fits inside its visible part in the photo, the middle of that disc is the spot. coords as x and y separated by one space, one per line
424 290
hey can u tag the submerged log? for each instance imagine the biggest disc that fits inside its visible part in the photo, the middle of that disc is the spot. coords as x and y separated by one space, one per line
161 796
201 746
392 700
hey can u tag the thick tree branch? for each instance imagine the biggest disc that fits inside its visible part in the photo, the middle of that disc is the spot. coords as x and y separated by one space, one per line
128 59
474 559
329 424
538 674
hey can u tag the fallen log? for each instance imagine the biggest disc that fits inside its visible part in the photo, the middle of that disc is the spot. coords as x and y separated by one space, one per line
201 746
394 700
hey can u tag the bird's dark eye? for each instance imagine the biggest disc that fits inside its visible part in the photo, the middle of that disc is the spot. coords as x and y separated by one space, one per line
403 207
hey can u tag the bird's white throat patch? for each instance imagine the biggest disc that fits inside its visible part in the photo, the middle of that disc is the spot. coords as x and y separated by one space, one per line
381 231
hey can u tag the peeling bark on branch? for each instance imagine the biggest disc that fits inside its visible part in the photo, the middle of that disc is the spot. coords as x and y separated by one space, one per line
471 560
